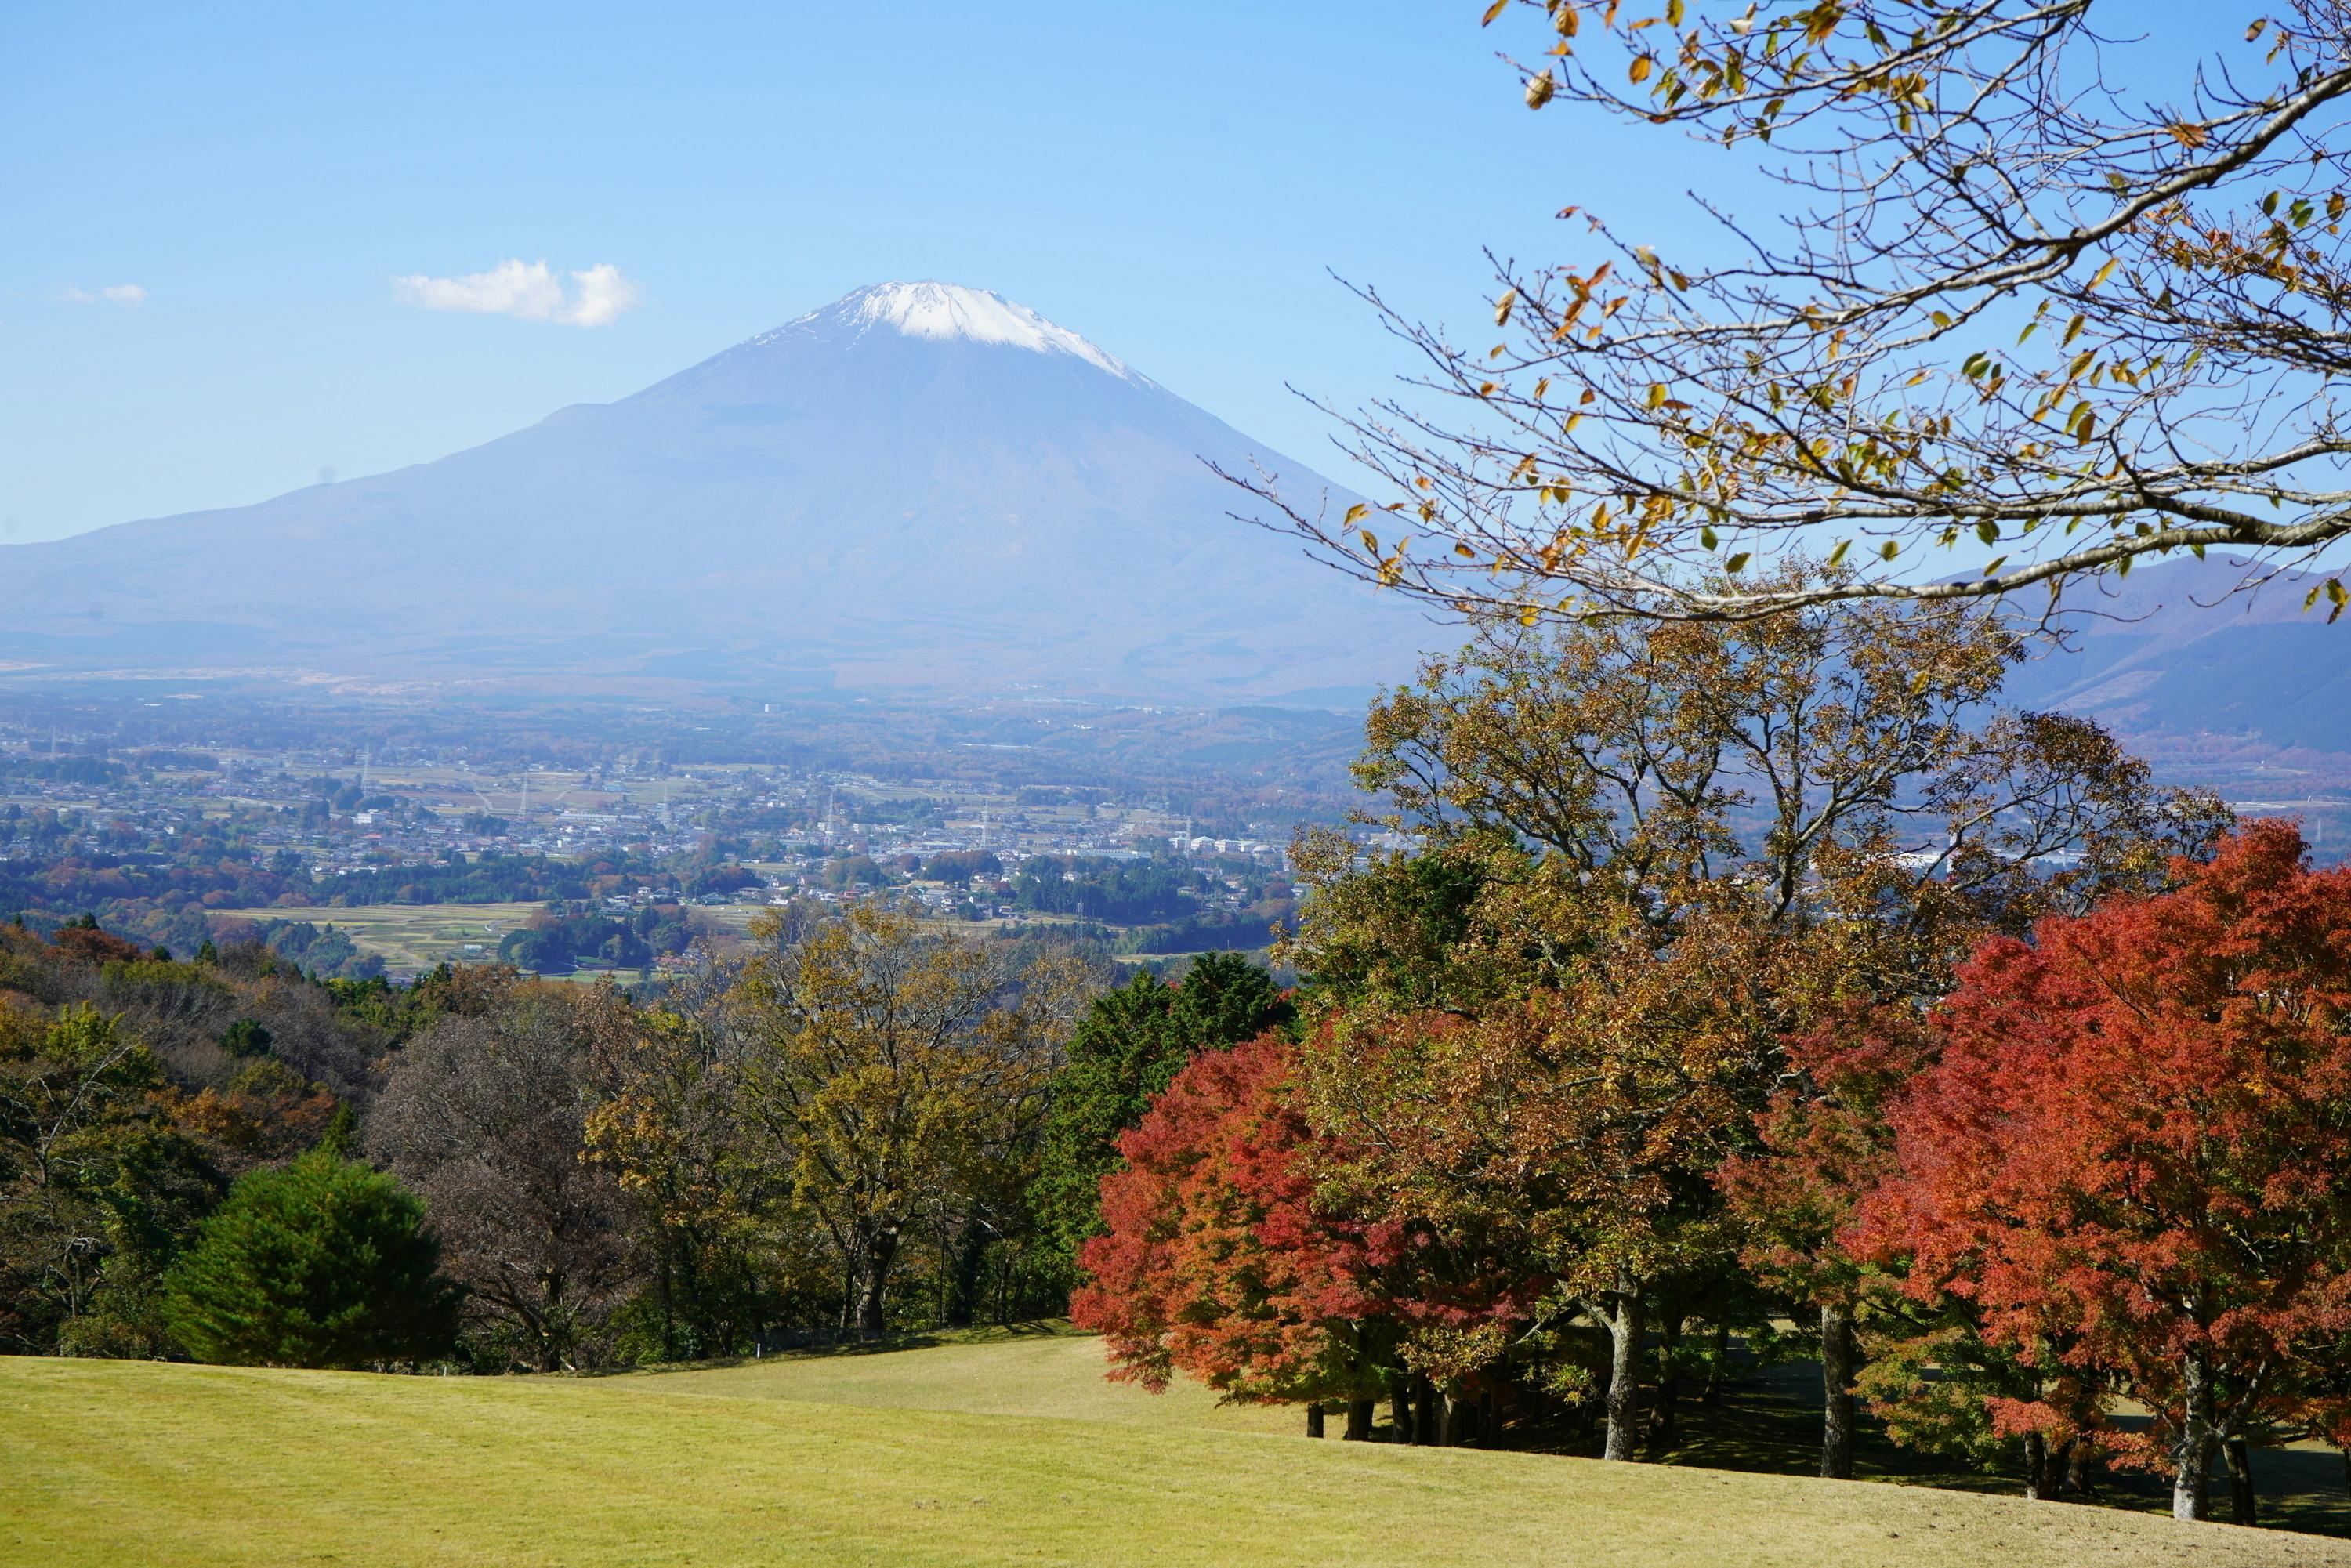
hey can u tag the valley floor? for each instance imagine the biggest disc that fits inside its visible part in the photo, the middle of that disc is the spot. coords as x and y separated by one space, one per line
1007 1449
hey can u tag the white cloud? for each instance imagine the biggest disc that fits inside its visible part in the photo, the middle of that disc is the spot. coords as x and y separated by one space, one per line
530 291
604 293
130 296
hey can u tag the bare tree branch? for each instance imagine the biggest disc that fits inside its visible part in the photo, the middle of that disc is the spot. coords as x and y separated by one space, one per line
2008 311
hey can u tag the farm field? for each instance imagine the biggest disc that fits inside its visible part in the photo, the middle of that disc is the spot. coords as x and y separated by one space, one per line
419 935
997 1449
415 935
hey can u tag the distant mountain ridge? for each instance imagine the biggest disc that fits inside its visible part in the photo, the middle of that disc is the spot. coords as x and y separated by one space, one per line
2186 649
920 486
922 489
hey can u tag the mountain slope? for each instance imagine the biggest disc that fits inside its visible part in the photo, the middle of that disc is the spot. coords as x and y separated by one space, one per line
919 485
2188 649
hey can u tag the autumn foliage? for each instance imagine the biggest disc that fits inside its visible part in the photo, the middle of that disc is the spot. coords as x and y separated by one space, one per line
2133 1158
1219 1261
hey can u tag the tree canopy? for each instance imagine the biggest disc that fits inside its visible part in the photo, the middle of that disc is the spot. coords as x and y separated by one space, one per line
321 1262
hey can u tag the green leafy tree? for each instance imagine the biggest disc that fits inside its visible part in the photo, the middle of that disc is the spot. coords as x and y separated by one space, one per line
1130 1042
894 1081
96 1185
321 1262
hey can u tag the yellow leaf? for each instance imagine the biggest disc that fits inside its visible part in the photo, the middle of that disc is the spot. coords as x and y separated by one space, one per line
1354 513
1539 88
1502 307
1657 395
1496 9
1642 66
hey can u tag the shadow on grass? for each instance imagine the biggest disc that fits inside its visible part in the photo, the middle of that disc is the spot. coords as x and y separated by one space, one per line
851 1344
1769 1422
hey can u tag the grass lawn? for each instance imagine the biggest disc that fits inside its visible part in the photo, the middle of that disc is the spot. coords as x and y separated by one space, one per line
1001 1448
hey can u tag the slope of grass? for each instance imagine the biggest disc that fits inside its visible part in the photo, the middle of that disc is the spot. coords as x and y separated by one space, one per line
112 1462
1048 1370
1769 1421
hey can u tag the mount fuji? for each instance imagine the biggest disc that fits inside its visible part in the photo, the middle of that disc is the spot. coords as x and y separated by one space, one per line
920 487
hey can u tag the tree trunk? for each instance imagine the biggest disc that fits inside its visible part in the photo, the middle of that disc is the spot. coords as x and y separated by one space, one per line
1399 1410
1359 1420
2243 1504
2080 1456
1836 1394
1424 1413
960 1307
873 1281
1455 1419
1665 1408
2036 1467
1314 1420
2191 1454
669 1327
1718 1367
1623 1322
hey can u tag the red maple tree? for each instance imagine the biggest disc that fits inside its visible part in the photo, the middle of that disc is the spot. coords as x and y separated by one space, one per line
2133 1156
1218 1260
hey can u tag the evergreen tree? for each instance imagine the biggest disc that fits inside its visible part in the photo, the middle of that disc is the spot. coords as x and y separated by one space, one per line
1130 1043
321 1262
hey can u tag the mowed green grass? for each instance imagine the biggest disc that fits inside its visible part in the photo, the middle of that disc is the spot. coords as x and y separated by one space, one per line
1050 1370
997 1451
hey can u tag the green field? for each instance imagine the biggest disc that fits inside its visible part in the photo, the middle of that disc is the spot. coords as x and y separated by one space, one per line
414 936
998 1449
419 935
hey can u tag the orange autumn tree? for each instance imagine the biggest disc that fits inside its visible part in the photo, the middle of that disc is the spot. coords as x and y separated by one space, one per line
1223 1262
1207 1267
2133 1158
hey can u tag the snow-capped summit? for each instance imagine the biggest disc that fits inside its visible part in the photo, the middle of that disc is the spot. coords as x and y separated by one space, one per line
949 310
919 485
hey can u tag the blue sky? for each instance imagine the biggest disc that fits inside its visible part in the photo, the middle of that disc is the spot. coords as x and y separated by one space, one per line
1173 181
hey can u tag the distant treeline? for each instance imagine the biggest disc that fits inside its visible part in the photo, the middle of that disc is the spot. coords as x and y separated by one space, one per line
62 769
488 878
1212 931
1123 892
325 952
559 941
